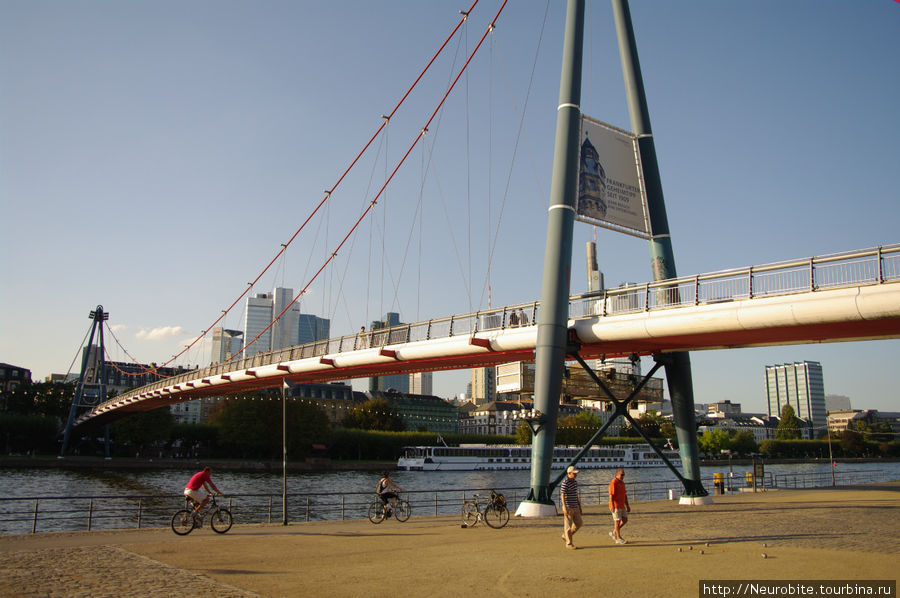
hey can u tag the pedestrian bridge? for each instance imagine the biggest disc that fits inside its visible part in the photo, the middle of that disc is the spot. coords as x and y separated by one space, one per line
843 297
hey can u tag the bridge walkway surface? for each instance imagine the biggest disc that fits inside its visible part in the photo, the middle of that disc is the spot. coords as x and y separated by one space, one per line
850 533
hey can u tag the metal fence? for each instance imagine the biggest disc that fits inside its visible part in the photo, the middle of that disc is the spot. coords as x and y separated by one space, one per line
85 513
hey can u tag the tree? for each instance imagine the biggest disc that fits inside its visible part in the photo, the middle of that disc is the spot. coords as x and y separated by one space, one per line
523 434
714 441
375 414
143 430
852 443
576 429
250 426
789 426
744 443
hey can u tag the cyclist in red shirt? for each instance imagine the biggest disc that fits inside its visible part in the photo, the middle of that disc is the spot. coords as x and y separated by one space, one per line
200 480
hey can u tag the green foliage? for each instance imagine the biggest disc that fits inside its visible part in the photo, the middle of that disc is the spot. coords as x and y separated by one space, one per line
251 427
523 434
573 429
714 442
21 434
788 426
50 399
744 443
202 438
374 414
852 443
667 430
818 449
141 431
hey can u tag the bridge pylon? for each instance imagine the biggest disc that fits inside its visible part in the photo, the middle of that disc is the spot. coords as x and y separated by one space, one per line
92 381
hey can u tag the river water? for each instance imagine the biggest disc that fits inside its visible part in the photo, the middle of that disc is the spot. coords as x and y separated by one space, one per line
124 498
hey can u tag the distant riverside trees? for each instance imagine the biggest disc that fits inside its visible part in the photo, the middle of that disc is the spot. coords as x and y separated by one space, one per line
31 416
717 440
374 414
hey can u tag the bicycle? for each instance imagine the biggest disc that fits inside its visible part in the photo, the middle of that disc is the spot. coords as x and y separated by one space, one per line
379 511
185 520
492 511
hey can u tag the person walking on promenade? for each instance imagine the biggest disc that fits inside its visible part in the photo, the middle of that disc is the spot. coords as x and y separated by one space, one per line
571 503
200 480
618 506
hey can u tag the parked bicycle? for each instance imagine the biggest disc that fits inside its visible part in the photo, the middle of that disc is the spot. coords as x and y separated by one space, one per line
185 520
379 511
492 511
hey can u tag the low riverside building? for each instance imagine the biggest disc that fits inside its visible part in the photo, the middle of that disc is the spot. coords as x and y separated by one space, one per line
13 375
336 399
760 426
422 413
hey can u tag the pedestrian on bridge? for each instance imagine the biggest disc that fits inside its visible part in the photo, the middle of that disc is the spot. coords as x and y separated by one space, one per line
571 503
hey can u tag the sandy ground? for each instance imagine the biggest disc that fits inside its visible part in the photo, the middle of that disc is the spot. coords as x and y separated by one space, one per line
834 534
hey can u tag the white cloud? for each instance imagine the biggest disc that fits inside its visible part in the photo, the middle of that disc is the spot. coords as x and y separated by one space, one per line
118 327
160 333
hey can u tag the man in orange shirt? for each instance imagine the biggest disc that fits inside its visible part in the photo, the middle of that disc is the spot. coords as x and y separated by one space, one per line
618 505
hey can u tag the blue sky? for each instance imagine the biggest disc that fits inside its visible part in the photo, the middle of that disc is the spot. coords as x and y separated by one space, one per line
154 156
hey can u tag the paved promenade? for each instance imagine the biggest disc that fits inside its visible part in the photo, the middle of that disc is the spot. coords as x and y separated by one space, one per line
844 533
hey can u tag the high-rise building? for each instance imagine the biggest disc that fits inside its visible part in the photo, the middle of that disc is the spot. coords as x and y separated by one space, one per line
225 343
801 386
312 328
484 385
257 316
292 327
421 383
284 331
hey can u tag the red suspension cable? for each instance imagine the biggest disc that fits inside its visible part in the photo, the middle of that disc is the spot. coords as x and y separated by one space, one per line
330 191
386 183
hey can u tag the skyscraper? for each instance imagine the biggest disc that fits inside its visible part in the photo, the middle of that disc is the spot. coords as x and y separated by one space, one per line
484 385
420 383
292 328
311 328
257 316
801 386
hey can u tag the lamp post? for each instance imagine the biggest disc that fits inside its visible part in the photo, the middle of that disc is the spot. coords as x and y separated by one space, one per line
730 470
830 457
284 516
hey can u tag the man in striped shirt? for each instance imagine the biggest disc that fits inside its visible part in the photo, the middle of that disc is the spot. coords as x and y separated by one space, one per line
568 496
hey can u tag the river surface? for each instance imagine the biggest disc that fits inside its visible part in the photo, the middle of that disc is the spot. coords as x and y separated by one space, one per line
110 498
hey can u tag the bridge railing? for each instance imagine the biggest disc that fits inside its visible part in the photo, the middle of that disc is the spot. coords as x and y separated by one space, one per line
869 266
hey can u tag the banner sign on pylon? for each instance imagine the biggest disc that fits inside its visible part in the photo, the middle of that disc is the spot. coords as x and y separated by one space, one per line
611 190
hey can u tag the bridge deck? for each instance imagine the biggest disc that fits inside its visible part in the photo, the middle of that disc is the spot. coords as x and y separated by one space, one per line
846 297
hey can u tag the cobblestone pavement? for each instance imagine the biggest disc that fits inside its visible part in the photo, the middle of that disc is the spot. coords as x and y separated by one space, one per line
102 571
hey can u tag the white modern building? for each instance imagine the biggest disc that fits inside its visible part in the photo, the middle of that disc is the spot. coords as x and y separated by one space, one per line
801 386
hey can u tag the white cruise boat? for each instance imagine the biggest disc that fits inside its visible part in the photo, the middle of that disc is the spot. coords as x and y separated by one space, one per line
483 457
